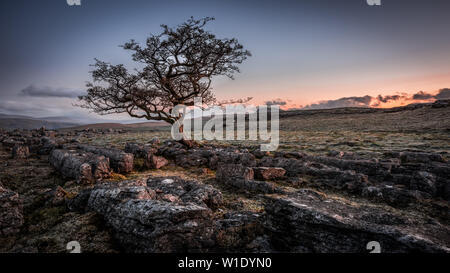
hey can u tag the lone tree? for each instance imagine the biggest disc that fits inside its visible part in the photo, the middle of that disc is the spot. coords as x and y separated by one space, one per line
177 66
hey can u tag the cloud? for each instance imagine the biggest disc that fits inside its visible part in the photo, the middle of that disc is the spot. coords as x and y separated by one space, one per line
342 102
17 107
386 99
443 94
380 101
234 101
34 91
422 96
61 108
279 102
36 107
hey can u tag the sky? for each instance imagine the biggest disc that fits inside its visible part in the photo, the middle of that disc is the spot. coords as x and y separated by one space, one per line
305 53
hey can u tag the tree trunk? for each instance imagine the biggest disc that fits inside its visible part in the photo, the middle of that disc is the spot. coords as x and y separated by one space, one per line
186 142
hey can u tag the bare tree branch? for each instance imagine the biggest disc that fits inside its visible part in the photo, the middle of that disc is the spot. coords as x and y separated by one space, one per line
179 66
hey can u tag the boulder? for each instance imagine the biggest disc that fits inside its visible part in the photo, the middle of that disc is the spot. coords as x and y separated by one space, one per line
227 172
269 173
335 178
47 145
148 153
242 177
84 167
307 221
225 157
120 161
420 157
10 143
156 162
193 158
238 231
175 189
392 195
138 150
142 224
425 182
20 152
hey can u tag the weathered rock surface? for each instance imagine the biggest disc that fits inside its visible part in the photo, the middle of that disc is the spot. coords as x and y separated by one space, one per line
399 199
10 143
20 152
120 161
206 157
234 171
143 224
269 173
307 221
148 153
242 177
156 162
47 145
158 226
240 231
185 191
138 150
418 157
84 167
11 217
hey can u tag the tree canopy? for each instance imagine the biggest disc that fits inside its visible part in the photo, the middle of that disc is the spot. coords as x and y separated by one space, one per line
177 65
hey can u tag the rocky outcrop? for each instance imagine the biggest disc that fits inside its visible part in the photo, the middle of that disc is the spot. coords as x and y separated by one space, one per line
11 217
120 161
150 226
308 221
227 172
397 179
419 157
176 190
148 153
238 231
232 157
20 152
10 142
156 162
83 167
204 157
144 220
399 199
269 173
241 177
138 150
47 145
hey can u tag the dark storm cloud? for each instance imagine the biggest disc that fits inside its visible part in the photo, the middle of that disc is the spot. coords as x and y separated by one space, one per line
34 91
275 102
342 102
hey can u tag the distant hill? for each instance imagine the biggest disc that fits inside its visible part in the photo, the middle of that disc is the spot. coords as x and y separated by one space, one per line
414 117
103 126
11 122
28 123
420 115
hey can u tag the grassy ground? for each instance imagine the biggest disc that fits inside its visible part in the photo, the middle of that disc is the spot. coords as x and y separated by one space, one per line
372 133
